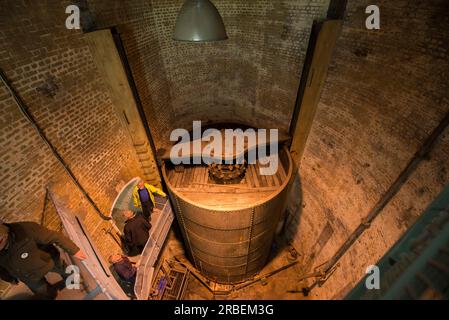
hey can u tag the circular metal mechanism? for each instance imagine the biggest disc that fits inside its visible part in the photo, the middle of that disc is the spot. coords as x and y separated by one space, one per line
227 173
229 229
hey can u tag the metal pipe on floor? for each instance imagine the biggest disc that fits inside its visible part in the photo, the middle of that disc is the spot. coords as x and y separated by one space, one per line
234 287
266 275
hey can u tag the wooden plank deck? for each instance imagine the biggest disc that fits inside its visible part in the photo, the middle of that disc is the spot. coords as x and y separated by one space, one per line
193 182
193 176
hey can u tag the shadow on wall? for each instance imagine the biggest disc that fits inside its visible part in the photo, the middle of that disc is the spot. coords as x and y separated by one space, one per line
290 229
289 225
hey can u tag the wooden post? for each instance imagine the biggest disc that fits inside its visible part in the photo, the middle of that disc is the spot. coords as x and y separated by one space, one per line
325 43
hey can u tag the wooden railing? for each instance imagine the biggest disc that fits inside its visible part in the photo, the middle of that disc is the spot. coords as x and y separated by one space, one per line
97 279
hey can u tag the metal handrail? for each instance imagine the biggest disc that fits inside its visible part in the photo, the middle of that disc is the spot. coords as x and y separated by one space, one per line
151 250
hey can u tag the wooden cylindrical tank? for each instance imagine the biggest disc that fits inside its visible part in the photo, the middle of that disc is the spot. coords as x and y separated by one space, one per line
229 229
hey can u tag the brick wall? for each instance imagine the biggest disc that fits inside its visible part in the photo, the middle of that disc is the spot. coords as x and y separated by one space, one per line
385 93
52 69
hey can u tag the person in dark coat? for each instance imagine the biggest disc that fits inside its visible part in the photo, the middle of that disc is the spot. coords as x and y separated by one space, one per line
27 254
124 267
136 232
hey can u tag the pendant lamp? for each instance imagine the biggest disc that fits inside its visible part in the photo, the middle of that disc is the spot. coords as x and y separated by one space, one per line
199 21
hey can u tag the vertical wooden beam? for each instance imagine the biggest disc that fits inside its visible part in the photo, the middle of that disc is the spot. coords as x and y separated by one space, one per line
325 43
109 64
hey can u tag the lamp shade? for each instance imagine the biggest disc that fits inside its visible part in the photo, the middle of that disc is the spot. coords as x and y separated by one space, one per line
199 21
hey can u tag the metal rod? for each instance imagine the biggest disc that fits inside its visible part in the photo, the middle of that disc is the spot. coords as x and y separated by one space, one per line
109 232
22 108
91 246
